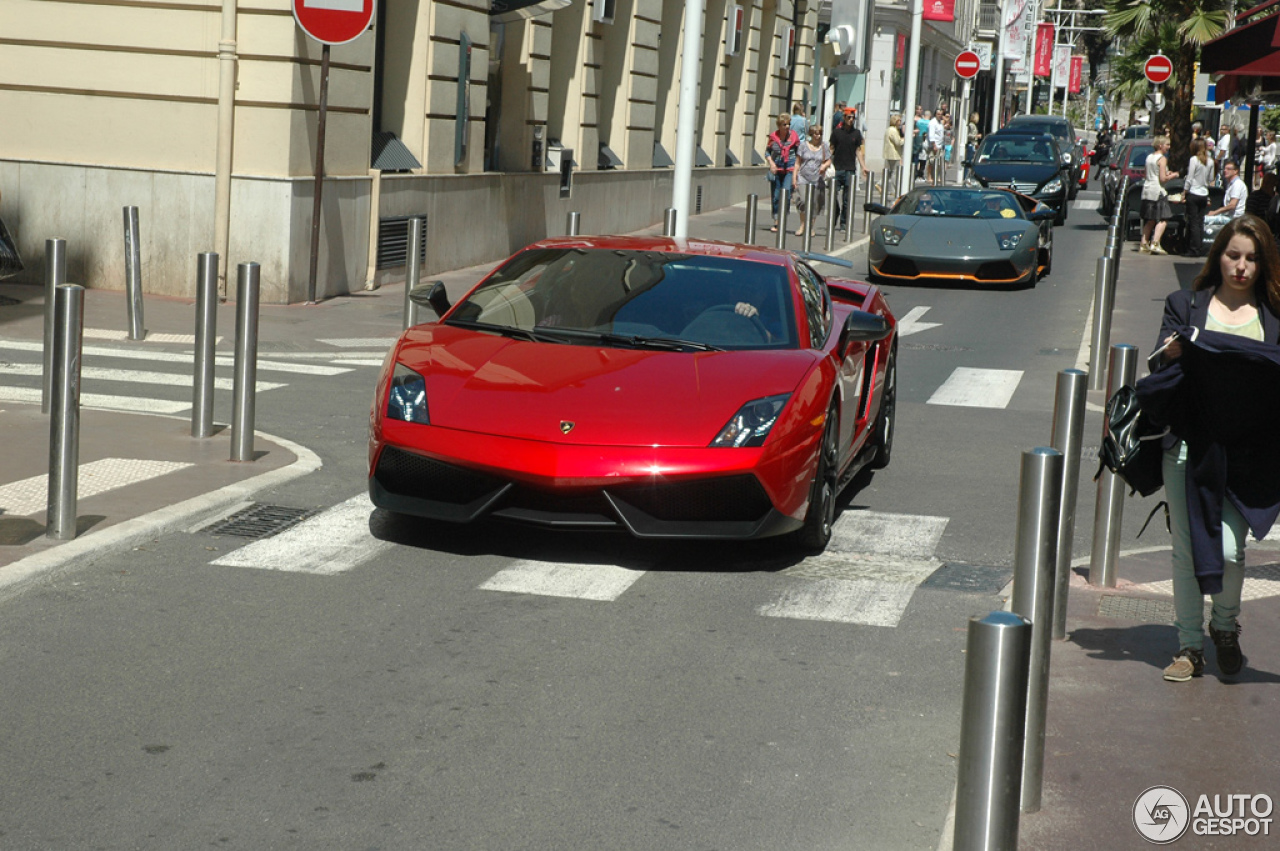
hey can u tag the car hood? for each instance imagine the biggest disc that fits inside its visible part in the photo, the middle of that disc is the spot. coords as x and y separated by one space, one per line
951 237
1020 172
491 384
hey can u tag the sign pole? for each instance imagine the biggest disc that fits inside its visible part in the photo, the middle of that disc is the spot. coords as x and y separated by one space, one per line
319 184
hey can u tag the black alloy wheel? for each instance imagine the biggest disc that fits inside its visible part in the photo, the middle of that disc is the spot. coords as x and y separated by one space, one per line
887 419
814 536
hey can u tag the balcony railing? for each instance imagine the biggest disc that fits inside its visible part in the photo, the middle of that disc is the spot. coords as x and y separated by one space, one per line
988 16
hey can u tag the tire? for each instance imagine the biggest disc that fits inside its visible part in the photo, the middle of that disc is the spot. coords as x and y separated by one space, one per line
887 419
1061 218
814 536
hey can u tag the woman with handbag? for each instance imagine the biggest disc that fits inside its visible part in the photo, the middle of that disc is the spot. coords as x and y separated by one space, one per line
812 161
780 154
1156 211
1236 293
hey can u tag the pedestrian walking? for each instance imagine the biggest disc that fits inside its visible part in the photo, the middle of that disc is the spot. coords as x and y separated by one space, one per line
894 142
919 148
812 161
1156 211
1220 460
1196 197
780 155
799 124
846 157
973 137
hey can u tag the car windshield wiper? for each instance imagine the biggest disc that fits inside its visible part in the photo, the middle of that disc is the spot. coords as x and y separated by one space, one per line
630 340
505 330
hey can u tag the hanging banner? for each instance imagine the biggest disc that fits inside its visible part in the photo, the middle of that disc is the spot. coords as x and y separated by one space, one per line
900 55
1014 33
1077 71
1044 50
939 10
1061 64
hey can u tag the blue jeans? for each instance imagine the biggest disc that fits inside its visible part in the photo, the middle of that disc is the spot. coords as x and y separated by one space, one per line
1188 602
842 190
779 183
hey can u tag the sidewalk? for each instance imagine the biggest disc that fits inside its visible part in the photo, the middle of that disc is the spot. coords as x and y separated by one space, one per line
142 475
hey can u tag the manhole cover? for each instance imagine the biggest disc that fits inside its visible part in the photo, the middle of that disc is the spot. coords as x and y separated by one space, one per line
1139 609
973 579
259 521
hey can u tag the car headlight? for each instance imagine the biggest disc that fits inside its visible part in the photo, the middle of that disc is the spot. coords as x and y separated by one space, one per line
1052 186
891 235
1066 158
751 425
973 181
407 399
1009 239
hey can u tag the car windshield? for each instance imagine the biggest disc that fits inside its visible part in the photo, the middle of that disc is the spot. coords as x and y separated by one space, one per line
635 299
1138 155
958 203
1016 149
1051 127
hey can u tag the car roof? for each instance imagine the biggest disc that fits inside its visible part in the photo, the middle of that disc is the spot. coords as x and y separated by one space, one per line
1025 119
702 247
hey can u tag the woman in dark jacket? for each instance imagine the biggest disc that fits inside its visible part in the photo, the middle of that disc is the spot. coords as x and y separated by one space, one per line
1237 293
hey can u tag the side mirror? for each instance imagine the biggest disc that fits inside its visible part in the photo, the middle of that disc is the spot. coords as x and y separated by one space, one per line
863 327
431 295
1040 215
1113 166
873 207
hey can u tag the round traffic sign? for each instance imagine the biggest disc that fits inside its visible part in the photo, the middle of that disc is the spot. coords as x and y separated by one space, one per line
1158 68
333 21
968 64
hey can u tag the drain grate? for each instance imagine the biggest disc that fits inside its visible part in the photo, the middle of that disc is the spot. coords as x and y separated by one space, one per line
1140 609
260 521
973 579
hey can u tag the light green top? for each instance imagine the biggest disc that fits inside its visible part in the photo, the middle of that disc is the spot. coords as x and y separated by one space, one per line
1251 329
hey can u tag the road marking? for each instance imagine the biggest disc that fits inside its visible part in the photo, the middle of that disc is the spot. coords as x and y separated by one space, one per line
844 601
551 579
977 388
100 401
332 542
361 342
132 375
359 362
899 535
105 334
911 324
1086 204
31 496
188 358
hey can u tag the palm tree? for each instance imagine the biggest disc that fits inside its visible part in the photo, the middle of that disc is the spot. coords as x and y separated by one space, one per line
1176 28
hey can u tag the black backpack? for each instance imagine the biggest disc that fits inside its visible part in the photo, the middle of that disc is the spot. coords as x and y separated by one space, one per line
1131 444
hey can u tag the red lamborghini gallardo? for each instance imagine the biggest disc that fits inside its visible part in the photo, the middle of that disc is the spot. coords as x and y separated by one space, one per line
668 387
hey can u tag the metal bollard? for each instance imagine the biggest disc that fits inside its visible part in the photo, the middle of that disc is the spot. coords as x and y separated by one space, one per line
753 208
782 219
55 275
244 382
1103 299
64 423
573 223
669 221
850 197
866 214
206 337
1108 508
884 186
133 274
1068 437
988 768
831 215
1035 551
413 272
806 217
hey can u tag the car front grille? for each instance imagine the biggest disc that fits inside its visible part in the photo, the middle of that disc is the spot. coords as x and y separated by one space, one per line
406 474
900 266
729 498
999 270
1016 186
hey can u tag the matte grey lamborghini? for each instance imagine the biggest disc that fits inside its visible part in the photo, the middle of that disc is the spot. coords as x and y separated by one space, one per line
981 236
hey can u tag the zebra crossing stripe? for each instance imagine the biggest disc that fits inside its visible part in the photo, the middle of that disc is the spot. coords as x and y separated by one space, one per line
977 388
583 581
332 542
133 375
855 601
100 401
152 337
187 358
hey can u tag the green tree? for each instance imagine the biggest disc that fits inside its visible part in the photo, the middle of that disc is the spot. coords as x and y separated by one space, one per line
1176 28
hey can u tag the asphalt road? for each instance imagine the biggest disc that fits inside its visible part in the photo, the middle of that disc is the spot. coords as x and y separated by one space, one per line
507 688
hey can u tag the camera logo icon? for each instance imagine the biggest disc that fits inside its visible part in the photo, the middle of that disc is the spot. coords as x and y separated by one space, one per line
1161 815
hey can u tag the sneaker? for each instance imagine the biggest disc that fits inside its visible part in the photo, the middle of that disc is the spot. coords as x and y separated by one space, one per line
1157 248
1230 659
1187 664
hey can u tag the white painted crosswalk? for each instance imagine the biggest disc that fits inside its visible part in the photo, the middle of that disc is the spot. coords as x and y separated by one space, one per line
31 496
977 388
332 542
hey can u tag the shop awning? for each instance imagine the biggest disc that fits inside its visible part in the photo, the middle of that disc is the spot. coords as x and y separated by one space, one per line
1248 56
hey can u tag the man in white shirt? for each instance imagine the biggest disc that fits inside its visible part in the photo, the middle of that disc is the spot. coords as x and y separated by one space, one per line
1223 151
1233 201
937 137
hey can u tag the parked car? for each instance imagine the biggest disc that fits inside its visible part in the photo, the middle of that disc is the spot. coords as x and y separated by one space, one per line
1061 129
981 236
1175 233
1026 162
1138 131
668 388
1128 159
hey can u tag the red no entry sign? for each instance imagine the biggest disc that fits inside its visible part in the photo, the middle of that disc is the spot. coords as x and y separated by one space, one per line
968 64
333 21
1158 69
